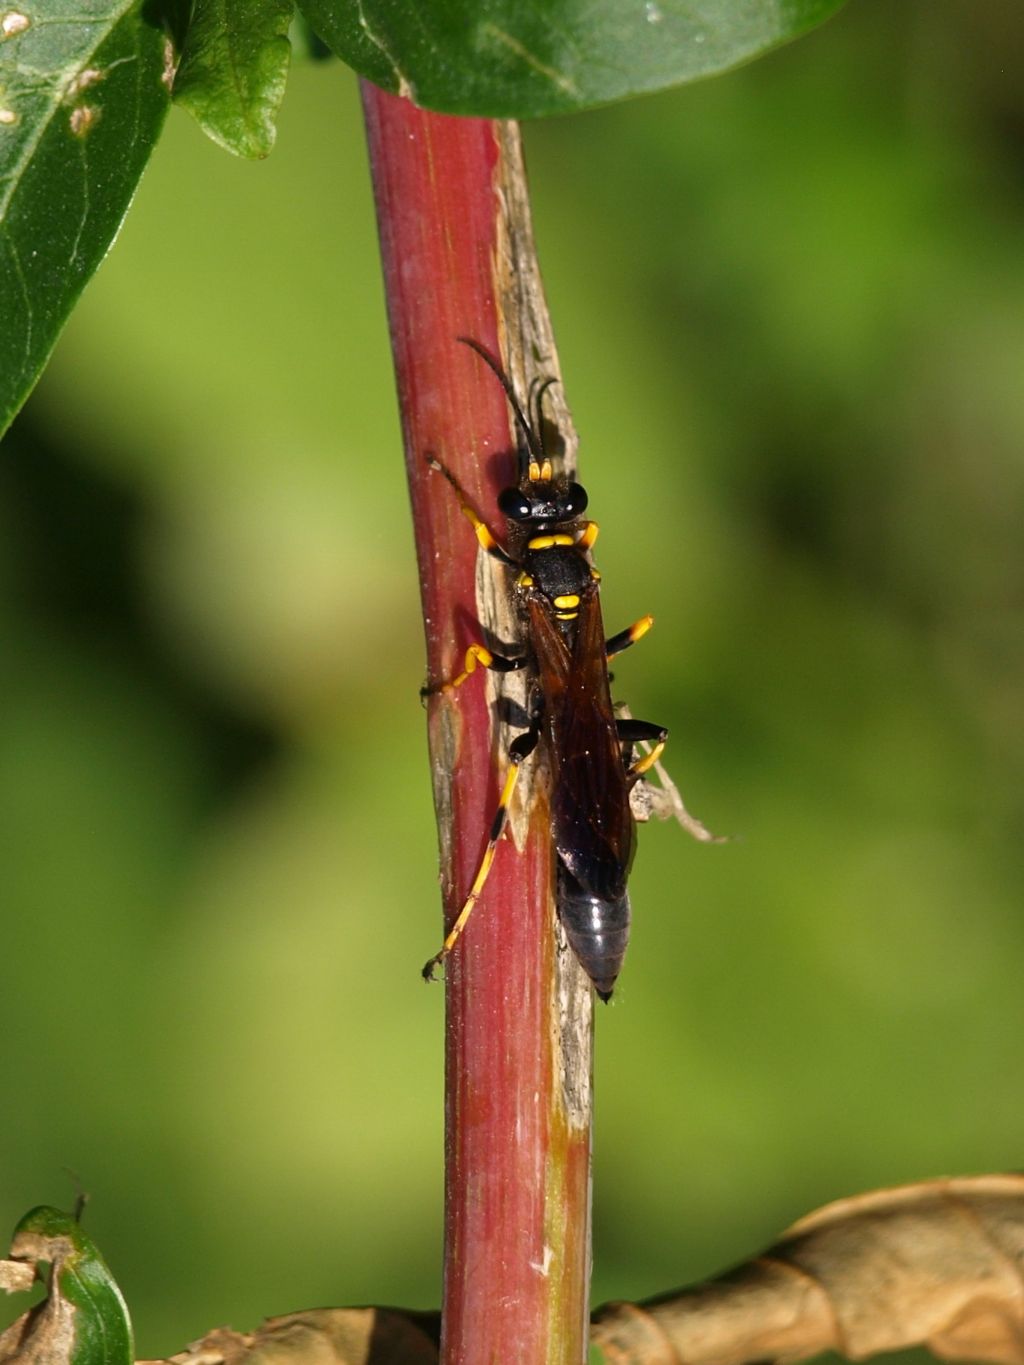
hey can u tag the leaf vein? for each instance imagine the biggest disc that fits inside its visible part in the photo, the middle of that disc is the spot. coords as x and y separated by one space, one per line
404 87
555 77
19 273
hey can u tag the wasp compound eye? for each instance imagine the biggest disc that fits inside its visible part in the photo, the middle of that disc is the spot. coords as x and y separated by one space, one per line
575 500
514 504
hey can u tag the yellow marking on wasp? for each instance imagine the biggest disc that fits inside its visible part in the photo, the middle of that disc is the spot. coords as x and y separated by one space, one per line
500 817
566 615
546 473
524 580
628 637
483 535
475 654
588 535
482 530
534 472
648 760
595 574
546 542
569 599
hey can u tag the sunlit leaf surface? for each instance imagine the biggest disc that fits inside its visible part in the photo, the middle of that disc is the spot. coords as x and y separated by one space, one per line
503 58
233 71
82 97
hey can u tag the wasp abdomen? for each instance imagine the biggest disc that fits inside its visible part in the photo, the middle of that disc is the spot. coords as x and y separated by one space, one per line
597 930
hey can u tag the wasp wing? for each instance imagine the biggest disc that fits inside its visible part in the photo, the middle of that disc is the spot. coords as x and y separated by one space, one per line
593 826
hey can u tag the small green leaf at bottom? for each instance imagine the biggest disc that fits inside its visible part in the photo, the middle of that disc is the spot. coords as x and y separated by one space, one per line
84 1319
233 70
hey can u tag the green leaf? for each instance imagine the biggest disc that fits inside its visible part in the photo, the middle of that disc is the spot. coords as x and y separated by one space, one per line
84 1319
82 97
305 43
233 70
507 59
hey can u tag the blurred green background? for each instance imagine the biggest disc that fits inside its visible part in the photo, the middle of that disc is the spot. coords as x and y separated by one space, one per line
790 307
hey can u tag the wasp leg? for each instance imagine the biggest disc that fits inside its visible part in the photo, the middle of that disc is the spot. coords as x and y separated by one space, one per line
520 748
628 637
588 535
476 655
483 531
632 732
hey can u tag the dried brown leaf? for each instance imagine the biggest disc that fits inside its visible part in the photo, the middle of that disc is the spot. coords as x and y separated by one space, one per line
16 1276
938 1264
83 1320
45 1335
323 1336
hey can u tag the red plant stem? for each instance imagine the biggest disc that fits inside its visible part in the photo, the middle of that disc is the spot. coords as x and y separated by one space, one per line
457 258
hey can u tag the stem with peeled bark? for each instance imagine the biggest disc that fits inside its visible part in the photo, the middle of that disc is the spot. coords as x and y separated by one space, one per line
458 260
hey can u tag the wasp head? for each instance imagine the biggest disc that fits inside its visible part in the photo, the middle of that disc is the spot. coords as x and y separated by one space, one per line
541 501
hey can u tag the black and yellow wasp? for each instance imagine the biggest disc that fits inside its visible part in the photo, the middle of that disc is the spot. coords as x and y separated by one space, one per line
589 750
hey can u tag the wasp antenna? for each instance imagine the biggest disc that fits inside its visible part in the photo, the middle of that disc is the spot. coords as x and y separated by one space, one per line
534 446
539 412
